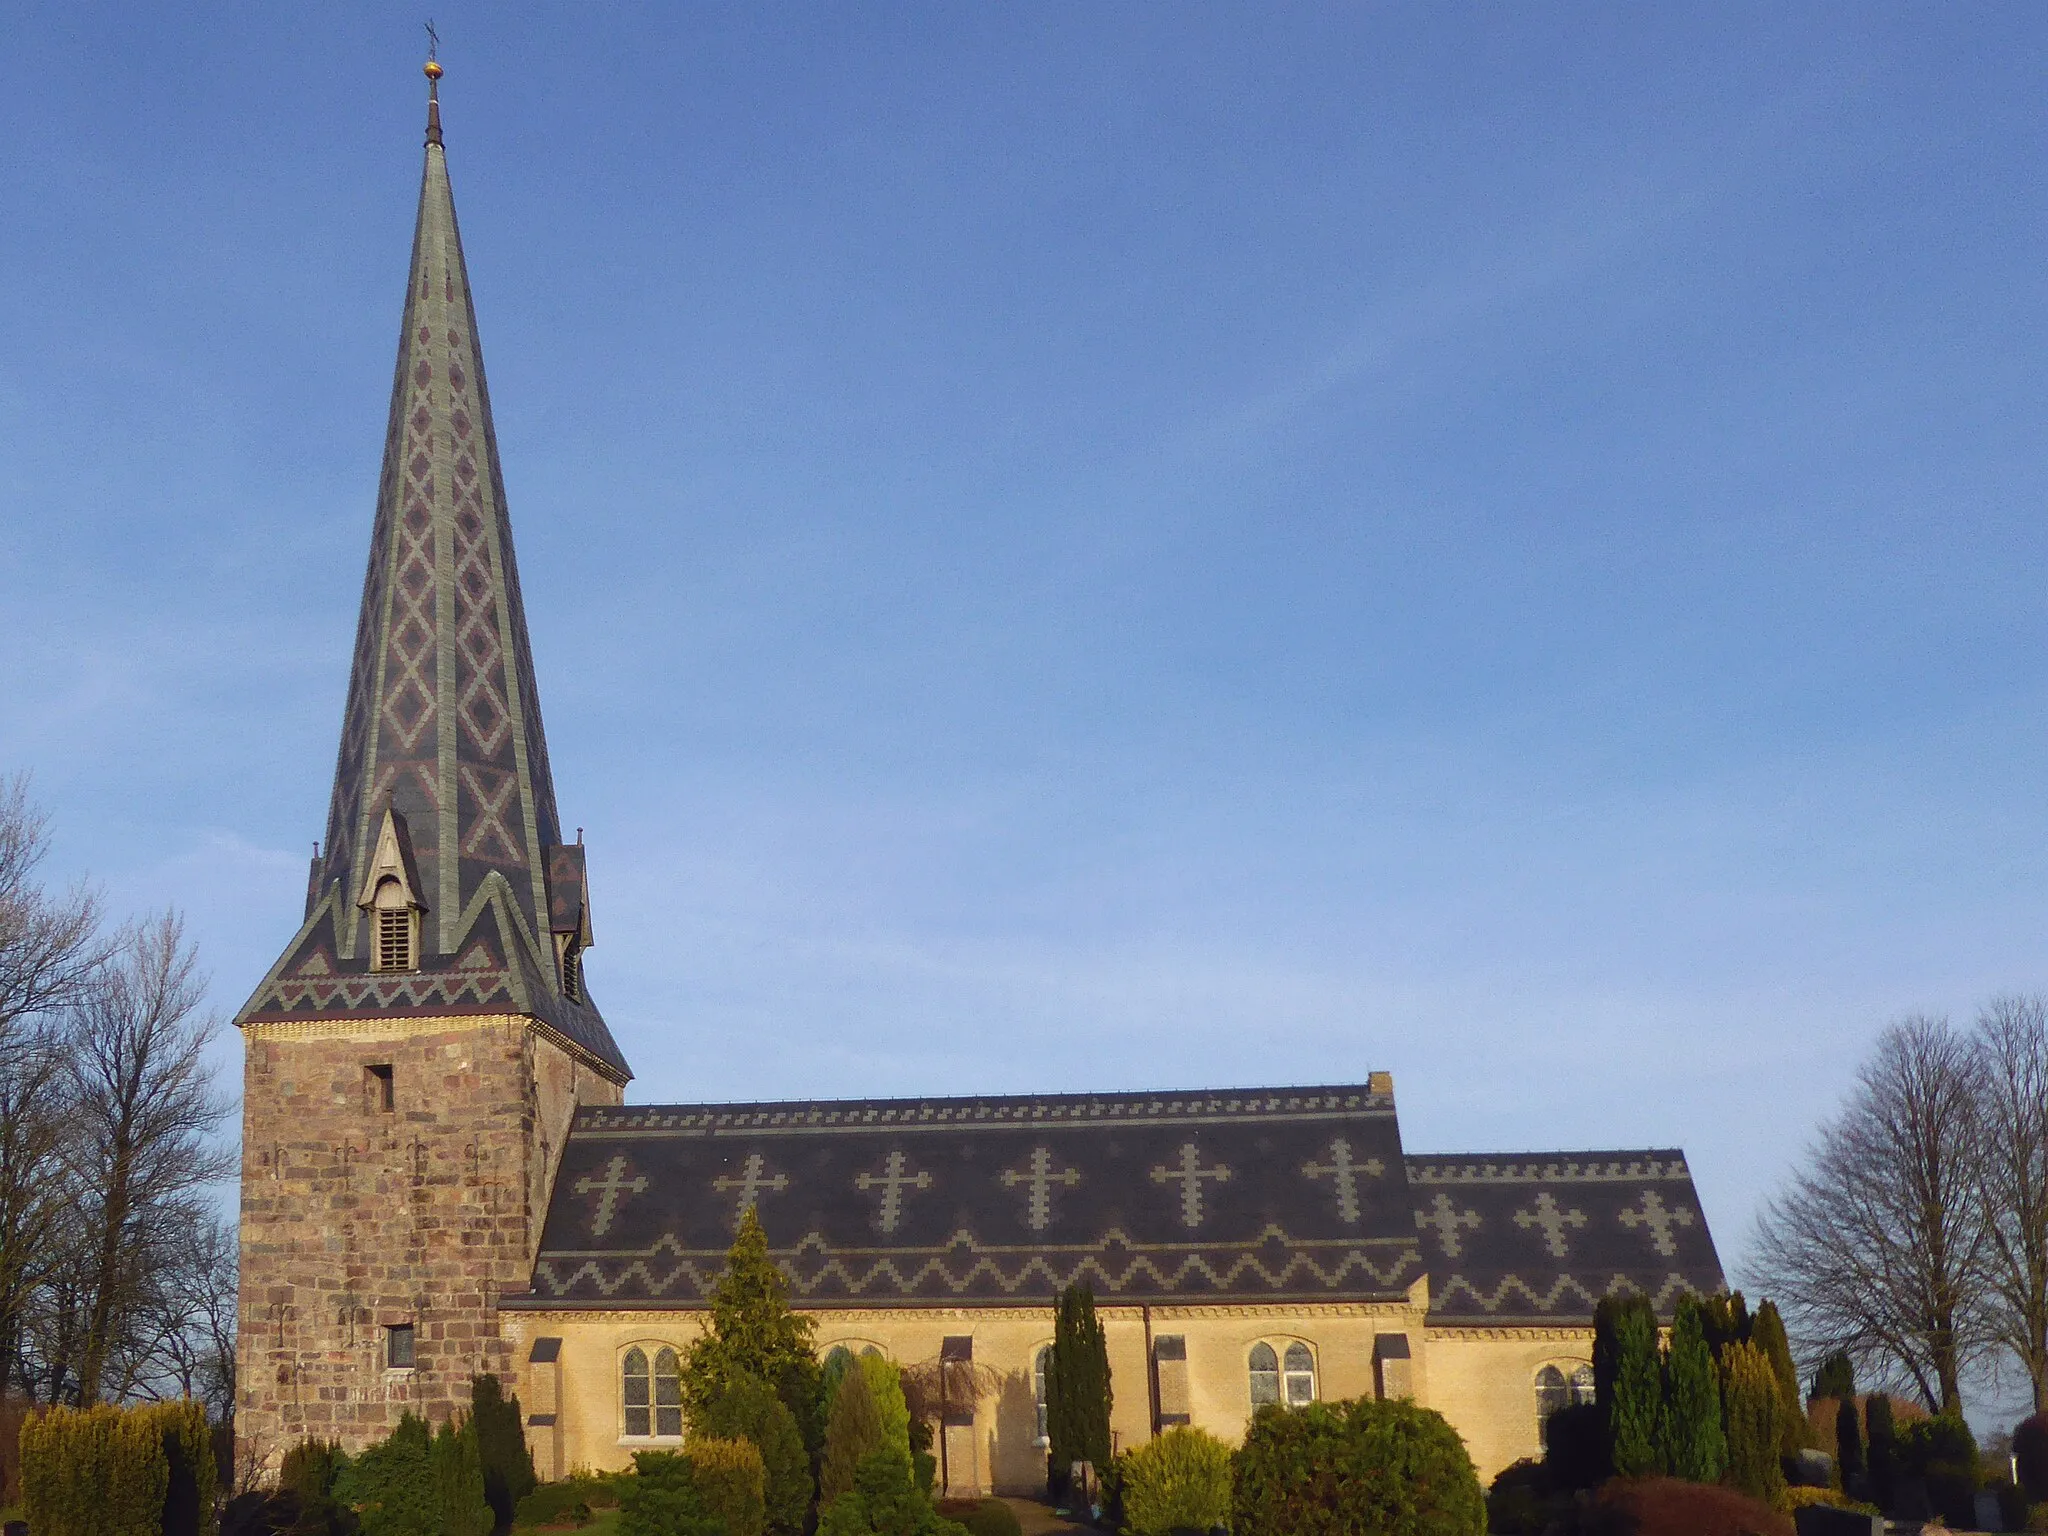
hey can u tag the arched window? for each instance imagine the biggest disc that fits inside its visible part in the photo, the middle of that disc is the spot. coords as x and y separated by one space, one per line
1265 1374
1301 1375
1552 1393
652 1400
635 1393
1039 1362
1582 1386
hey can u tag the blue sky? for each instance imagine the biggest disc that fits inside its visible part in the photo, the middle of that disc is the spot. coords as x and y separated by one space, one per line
1100 546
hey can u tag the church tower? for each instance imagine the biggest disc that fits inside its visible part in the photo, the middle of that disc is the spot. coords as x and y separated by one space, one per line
413 1061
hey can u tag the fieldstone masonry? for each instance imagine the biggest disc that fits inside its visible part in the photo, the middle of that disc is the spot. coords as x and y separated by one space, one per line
357 1218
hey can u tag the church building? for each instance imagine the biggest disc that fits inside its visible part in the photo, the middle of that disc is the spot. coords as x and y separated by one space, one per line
441 1175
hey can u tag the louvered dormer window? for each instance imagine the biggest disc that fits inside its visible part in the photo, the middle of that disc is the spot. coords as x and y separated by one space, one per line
397 929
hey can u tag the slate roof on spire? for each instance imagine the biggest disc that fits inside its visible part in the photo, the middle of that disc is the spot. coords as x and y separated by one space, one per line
443 719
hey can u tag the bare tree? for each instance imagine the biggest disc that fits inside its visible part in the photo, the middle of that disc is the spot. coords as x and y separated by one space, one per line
50 951
1876 1248
2012 1047
144 1112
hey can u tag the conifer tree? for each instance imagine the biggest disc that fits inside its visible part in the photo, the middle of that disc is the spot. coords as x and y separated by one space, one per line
1726 1317
754 1332
852 1434
1756 1407
1628 1383
1848 1439
1883 1440
1077 1386
458 1473
1767 1332
1695 1447
1835 1378
748 1409
501 1446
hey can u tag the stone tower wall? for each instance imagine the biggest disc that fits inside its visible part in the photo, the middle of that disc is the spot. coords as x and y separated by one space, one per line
356 1217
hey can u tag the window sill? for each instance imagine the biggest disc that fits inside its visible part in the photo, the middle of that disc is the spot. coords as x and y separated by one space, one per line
647 1440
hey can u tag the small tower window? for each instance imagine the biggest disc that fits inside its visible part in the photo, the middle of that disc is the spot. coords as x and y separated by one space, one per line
396 928
398 1355
378 1088
572 970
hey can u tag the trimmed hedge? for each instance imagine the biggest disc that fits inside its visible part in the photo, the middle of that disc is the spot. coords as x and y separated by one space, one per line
1673 1508
1180 1480
2030 1450
110 1471
1358 1468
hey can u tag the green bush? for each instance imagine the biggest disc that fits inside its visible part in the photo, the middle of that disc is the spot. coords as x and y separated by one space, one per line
662 1498
746 1408
1359 1468
1518 1502
553 1504
391 1485
881 1501
1942 1451
731 1480
1179 1479
991 1517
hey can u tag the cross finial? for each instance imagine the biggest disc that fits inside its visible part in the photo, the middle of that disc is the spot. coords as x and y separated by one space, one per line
433 73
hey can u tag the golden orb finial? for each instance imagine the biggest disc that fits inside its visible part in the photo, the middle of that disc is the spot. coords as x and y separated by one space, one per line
433 70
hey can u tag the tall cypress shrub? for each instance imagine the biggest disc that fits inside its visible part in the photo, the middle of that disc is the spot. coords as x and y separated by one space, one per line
1883 1439
1628 1383
1835 1378
1767 1332
1848 1441
458 1472
501 1447
188 1467
1077 1386
852 1434
1695 1446
1726 1318
1755 1407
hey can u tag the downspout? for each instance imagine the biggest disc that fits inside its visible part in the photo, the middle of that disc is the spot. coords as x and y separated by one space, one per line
1151 1375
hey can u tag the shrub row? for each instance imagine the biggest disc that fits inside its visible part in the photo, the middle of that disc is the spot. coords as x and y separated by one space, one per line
109 1471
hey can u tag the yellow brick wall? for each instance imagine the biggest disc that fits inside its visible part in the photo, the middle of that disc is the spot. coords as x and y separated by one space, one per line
1484 1381
1001 1451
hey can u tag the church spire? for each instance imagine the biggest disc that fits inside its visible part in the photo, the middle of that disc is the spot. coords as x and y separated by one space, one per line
445 885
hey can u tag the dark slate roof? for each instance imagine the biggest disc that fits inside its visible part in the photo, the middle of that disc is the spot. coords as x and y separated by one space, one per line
1251 1195
443 719
1290 1194
1539 1237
